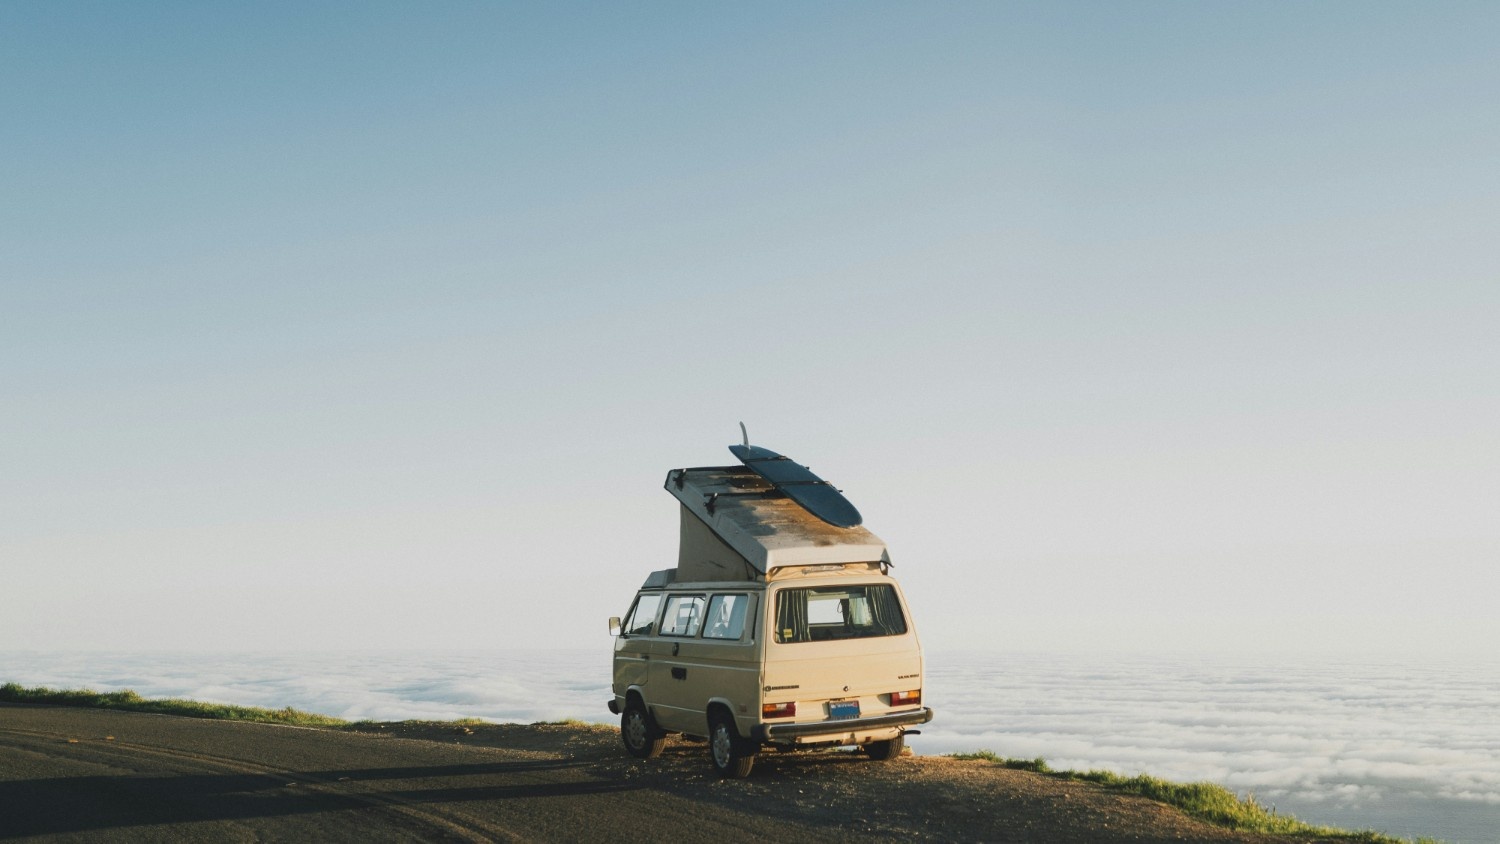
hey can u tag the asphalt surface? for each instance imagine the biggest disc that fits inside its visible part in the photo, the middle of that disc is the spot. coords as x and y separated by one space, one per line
94 775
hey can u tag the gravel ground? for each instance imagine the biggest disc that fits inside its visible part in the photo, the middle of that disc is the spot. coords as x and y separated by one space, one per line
845 796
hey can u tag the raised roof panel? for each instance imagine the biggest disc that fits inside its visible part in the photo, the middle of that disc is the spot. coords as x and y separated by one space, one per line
761 525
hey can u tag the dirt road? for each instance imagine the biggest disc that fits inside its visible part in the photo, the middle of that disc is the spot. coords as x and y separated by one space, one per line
94 775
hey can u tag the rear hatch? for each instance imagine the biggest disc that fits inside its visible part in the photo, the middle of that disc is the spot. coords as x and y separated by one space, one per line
833 681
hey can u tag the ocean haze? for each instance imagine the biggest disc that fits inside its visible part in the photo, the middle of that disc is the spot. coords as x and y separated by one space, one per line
1405 747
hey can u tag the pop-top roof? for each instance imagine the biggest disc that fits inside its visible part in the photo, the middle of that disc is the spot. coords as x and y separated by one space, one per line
762 525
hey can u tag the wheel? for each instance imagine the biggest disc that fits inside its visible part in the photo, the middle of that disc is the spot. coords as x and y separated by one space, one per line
642 739
882 751
733 756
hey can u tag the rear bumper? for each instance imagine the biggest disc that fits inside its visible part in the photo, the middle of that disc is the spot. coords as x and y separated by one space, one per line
774 732
614 705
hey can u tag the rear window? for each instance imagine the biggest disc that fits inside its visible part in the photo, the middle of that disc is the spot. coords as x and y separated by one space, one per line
825 613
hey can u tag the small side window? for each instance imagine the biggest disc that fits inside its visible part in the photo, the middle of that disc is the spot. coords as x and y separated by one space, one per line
642 620
684 615
726 616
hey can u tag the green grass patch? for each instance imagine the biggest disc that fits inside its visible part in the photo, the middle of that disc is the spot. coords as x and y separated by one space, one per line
1036 766
1205 801
129 701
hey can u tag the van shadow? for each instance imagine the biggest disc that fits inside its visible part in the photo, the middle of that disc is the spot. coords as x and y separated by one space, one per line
684 768
63 805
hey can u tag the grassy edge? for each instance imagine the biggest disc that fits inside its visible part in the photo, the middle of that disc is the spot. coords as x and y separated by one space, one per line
129 701
1203 800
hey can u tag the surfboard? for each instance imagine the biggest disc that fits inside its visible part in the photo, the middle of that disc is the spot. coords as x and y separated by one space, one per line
798 483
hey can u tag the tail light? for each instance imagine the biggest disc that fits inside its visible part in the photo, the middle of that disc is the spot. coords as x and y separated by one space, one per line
906 698
778 710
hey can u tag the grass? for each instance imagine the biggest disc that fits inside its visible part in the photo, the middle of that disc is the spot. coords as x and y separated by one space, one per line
1205 801
131 702
1036 766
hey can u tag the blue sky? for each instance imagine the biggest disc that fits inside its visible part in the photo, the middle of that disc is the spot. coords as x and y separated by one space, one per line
1141 326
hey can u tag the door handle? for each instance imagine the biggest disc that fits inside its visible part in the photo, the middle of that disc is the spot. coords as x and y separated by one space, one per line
679 673
675 646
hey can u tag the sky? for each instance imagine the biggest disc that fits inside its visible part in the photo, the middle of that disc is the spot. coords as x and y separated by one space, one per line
1143 327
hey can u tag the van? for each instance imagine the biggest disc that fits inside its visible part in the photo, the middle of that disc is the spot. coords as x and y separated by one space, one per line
776 629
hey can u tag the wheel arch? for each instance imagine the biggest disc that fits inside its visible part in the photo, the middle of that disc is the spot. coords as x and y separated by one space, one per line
719 704
633 694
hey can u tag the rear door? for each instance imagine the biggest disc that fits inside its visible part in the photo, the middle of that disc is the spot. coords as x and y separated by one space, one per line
840 650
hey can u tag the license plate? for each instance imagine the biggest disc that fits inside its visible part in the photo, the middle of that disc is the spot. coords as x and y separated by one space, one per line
843 709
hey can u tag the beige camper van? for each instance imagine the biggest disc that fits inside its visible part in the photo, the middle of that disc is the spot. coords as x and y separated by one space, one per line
776 628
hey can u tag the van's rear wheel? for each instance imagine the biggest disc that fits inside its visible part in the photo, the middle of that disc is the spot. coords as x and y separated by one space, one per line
881 751
733 756
642 739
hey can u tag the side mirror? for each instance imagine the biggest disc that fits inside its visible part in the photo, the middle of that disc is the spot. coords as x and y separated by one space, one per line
614 625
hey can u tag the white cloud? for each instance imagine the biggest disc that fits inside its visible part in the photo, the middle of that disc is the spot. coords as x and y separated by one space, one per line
1317 736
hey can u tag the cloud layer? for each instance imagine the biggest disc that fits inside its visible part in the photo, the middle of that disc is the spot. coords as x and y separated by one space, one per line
1411 748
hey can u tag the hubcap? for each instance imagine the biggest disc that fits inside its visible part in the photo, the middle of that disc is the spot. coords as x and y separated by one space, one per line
721 746
635 730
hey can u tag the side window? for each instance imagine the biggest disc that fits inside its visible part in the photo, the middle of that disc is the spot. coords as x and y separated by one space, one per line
726 616
684 615
642 620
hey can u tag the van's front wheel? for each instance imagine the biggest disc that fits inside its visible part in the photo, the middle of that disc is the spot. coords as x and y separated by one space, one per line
881 751
733 757
642 739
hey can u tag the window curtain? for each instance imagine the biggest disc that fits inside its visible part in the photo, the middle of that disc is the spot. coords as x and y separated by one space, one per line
886 610
791 615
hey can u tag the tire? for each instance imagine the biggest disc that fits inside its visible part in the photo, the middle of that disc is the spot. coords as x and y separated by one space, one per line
642 738
732 756
884 751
